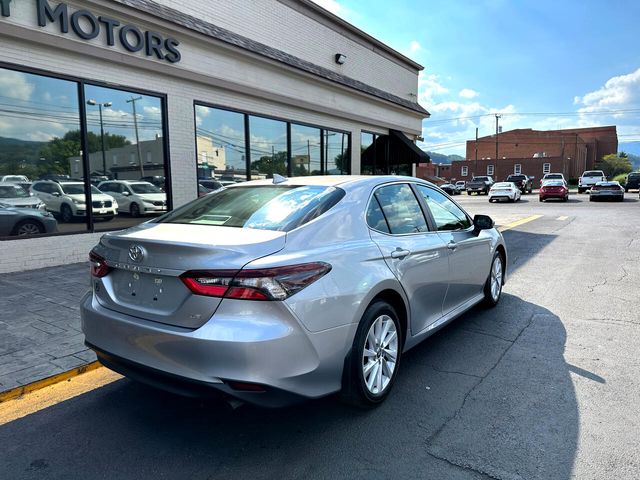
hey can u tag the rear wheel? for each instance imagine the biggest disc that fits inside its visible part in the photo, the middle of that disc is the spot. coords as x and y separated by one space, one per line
28 227
373 363
493 285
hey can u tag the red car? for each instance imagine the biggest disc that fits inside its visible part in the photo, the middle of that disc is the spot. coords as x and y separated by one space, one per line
554 189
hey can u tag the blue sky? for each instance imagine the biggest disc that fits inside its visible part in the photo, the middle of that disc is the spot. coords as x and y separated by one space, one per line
543 64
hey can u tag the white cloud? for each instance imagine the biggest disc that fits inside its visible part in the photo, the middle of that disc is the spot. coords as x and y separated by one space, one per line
152 110
414 46
332 5
617 92
429 89
15 85
468 93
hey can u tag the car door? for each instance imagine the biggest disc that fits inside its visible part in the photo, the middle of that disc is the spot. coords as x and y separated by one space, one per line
417 256
469 254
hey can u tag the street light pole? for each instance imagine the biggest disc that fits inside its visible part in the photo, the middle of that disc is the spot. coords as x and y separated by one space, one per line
497 117
100 105
133 101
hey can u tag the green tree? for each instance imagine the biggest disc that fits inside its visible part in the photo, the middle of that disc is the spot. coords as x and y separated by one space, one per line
270 164
613 164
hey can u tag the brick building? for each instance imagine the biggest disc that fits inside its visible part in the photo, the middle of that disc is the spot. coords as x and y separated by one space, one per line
535 152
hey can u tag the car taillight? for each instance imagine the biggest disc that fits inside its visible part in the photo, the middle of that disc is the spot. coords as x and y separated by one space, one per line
277 283
99 267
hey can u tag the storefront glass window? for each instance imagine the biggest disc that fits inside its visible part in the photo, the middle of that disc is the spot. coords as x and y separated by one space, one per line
220 143
268 142
42 187
305 151
367 153
126 156
337 154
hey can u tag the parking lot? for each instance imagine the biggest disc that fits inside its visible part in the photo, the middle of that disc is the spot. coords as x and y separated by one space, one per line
546 385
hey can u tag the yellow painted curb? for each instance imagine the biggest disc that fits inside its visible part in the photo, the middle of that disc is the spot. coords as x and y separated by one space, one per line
45 382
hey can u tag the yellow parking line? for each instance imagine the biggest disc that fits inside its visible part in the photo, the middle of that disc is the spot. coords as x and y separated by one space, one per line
563 217
517 223
56 393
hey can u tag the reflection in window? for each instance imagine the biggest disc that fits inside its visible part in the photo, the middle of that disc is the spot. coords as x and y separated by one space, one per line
400 209
367 153
220 142
447 215
305 151
39 139
268 147
337 154
125 137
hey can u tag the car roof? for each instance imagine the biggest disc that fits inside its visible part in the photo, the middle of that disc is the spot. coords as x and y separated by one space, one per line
335 180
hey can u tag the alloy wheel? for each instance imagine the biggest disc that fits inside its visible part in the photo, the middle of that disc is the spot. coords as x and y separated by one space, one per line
380 353
496 278
28 228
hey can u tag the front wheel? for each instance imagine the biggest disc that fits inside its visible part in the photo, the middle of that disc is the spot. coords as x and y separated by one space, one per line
66 215
493 285
28 227
134 210
373 363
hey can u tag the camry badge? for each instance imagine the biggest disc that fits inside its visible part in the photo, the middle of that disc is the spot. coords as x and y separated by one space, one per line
136 253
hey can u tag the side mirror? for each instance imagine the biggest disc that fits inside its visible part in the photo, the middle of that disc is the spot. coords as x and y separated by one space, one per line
125 193
482 222
56 194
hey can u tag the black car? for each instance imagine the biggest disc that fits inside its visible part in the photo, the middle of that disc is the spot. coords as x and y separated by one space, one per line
450 189
210 183
632 181
523 182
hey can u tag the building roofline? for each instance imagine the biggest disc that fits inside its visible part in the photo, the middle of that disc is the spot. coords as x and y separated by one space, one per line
332 20
203 27
563 131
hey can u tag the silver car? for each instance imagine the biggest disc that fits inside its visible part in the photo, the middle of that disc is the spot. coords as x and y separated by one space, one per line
276 291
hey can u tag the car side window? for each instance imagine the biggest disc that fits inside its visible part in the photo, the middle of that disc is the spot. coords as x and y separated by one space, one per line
400 209
447 215
375 217
105 188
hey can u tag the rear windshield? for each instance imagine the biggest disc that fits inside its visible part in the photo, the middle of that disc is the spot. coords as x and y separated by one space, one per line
264 207
481 179
553 183
594 173
552 175
516 177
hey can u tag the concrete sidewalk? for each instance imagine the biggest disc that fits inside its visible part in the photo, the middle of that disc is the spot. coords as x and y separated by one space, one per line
40 324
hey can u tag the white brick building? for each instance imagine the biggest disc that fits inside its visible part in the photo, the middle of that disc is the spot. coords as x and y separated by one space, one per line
266 80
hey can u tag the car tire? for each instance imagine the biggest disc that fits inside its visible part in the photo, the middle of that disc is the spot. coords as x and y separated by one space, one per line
580 190
134 210
626 190
540 199
364 382
495 281
66 215
468 192
27 227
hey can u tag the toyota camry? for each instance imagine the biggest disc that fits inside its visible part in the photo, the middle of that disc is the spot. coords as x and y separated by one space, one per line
273 291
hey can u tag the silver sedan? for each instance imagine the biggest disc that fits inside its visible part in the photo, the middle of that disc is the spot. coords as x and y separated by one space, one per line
276 291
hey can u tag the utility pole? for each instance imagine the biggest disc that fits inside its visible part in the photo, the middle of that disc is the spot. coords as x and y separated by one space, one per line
133 101
100 105
497 117
475 163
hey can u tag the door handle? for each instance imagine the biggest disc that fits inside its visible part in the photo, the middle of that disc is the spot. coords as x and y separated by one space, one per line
399 253
452 245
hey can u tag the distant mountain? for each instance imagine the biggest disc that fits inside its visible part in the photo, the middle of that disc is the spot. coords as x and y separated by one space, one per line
440 158
635 160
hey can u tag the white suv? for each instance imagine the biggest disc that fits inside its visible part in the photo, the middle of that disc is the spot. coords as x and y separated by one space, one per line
67 200
136 197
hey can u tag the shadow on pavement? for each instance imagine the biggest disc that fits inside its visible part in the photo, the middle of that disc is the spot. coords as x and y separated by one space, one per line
490 394
523 247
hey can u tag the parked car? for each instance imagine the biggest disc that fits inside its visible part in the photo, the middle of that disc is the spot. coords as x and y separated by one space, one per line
256 291
14 195
479 185
504 191
523 182
16 221
158 180
136 198
14 178
210 183
67 200
607 191
589 178
553 176
449 188
553 189
461 186
632 181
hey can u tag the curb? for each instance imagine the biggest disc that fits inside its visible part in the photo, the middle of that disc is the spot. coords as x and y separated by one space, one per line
45 382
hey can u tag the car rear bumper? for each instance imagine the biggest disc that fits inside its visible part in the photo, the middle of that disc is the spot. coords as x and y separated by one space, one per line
266 347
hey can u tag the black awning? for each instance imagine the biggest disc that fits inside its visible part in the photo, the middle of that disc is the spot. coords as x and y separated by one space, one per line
410 151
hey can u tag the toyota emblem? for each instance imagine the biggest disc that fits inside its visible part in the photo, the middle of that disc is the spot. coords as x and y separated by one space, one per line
136 253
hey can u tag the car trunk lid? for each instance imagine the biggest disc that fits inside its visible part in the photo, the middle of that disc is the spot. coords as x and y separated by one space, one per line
147 262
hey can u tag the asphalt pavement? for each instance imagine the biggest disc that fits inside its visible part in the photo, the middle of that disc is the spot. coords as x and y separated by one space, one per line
544 386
